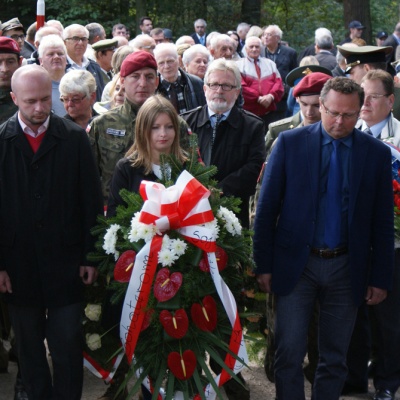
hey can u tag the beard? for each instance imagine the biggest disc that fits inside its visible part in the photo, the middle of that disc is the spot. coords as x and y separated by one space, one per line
220 106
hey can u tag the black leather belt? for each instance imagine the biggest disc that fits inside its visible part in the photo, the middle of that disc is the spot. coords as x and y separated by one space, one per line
329 253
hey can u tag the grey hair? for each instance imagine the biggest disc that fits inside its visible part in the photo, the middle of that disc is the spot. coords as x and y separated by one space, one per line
324 42
276 29
192 51
51 41
170 47
221 64
71 27
220 38
200 20
80 81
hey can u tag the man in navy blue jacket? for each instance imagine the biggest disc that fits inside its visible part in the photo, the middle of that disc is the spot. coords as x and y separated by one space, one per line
293 252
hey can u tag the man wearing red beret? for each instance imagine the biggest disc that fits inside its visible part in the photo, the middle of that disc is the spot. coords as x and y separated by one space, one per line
112 133
307 93
10 61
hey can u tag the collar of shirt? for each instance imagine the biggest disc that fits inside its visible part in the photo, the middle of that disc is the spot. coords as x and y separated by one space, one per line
377 128
74 65
326 138
167 85
252 60
325 51
212 117
29 131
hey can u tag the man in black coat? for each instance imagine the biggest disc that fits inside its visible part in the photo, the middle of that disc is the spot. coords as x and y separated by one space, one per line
49 200
235 144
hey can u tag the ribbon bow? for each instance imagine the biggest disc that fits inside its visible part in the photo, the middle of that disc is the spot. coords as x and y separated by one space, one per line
182 207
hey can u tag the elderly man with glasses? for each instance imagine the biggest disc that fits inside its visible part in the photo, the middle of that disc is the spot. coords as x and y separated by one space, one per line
76 39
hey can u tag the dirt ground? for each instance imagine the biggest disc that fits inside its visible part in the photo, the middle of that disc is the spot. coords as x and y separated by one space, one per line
260 387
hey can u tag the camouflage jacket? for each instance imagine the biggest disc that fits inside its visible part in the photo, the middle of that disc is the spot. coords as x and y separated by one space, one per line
112 134
275 128
7 106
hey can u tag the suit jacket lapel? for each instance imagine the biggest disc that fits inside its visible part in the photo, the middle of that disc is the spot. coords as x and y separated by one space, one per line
15 133
358 160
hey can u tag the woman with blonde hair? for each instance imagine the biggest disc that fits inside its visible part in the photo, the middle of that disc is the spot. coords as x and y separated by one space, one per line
156 133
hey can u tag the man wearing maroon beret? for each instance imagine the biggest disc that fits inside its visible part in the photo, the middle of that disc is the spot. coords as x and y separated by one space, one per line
112 133
10 61
307 93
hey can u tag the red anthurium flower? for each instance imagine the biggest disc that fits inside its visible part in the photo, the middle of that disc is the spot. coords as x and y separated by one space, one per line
123 267
220 255
204 315
182 366
147 319
166 286
177 324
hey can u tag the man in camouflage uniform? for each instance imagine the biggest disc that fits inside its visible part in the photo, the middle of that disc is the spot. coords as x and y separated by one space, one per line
112 133
10 61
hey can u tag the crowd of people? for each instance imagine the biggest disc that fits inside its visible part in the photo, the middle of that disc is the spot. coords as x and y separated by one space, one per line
83 116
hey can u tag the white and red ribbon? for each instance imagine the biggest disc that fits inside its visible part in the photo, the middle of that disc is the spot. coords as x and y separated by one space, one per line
182 207
96 369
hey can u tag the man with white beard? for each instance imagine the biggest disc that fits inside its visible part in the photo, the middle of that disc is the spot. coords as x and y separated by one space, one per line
229 137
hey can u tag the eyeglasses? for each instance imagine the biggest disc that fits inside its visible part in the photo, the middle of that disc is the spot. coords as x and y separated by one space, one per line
336 115
17 37
77 39
167 62
375 97
269 34
224 86
74 100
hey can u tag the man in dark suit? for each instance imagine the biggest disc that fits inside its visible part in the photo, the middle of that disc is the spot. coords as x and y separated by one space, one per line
49 199
393 41
200 36
324 232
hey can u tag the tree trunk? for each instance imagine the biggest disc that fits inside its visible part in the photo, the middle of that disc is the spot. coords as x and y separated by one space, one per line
359 10
251 11
141 11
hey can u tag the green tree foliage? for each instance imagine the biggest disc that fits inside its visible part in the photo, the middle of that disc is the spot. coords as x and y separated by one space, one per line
297 18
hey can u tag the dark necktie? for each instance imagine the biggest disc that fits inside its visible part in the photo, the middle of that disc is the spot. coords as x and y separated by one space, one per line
217 120
173 95
333 211
367 130
110 75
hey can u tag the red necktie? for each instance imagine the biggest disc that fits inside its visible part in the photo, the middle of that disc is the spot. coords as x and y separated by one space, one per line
258 70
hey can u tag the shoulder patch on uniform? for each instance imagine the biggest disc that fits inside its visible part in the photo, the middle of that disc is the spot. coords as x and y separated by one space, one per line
281 122
115 132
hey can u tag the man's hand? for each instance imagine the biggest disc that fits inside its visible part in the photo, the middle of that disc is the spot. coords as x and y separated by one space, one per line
266 100
264 282
375 295
88 274
5 283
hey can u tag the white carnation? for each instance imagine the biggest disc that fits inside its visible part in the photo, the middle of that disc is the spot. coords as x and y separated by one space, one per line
93 341
232 223
167 257
178 246
140 231
213 226
110 240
